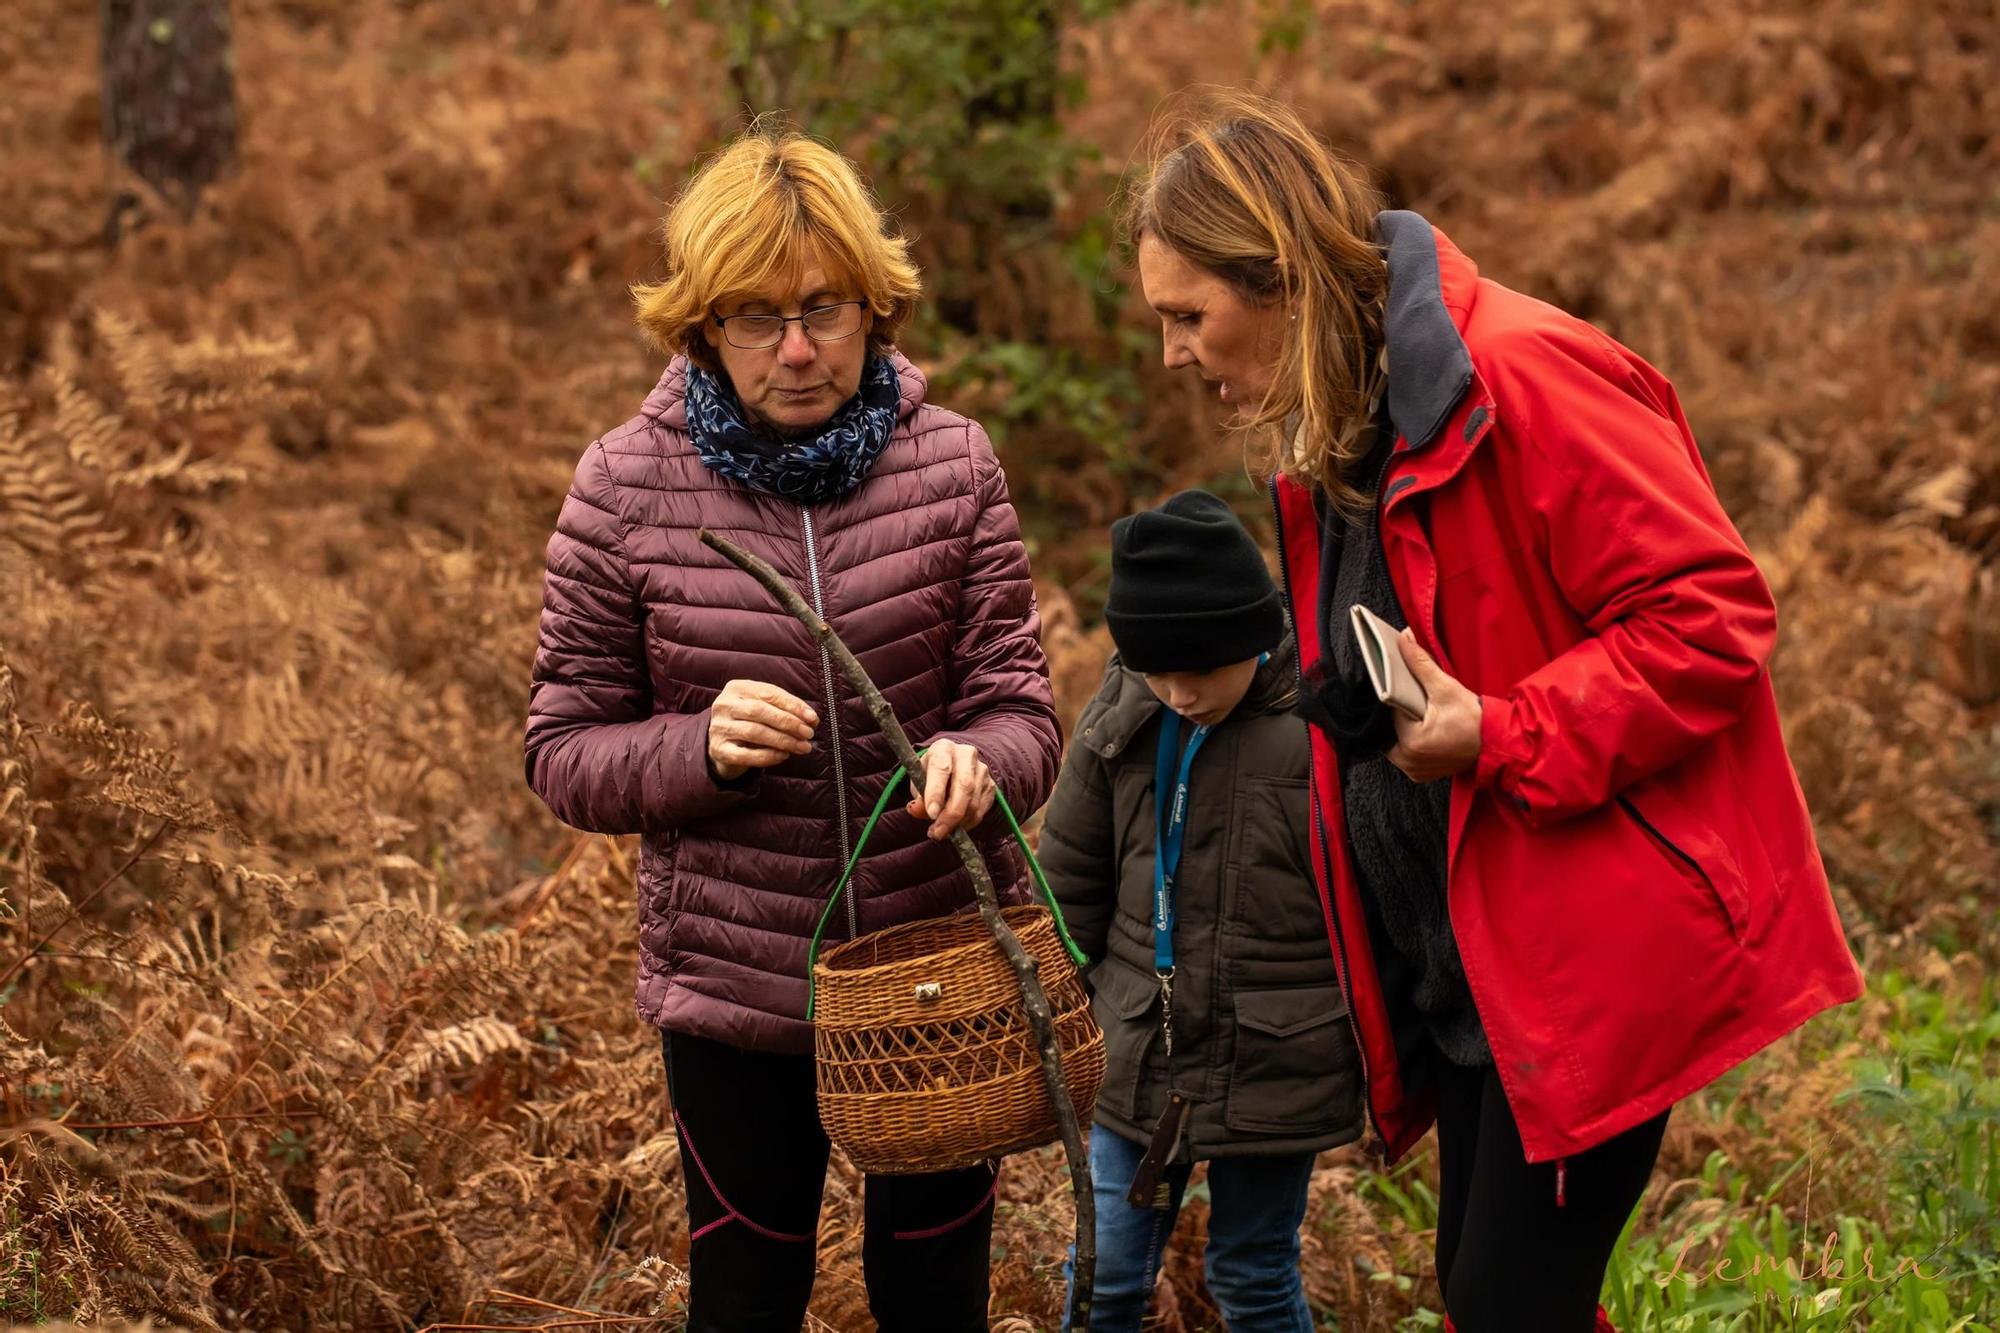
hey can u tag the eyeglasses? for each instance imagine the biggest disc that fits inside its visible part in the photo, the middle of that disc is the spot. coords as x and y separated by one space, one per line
823 324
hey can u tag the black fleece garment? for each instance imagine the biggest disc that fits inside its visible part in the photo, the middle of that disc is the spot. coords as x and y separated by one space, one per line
1397 830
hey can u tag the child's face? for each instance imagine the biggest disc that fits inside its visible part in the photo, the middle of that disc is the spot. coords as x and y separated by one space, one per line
1204 697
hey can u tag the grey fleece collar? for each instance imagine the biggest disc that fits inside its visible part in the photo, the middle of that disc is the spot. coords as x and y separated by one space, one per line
1429 368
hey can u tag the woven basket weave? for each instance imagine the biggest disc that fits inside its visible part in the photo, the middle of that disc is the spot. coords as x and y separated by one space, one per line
909 1084
925 1058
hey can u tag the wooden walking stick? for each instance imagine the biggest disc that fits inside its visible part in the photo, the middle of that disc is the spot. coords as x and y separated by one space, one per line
1034 999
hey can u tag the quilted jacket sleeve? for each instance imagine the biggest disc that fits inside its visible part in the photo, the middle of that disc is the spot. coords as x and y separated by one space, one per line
1002 702
596 752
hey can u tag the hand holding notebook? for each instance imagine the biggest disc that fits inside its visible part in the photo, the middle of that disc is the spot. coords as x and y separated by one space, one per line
1394 683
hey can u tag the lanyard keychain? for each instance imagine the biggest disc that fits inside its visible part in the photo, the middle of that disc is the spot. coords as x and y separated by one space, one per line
1150 1187
1171 825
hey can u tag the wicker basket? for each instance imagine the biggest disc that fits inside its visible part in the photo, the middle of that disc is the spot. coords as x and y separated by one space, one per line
925 1058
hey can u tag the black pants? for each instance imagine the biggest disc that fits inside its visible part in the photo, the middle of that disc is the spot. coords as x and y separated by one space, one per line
754 1160
1510 1259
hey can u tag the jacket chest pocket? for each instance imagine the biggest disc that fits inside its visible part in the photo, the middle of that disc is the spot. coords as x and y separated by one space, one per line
1132 829
1271 890
1132 811
1294 1068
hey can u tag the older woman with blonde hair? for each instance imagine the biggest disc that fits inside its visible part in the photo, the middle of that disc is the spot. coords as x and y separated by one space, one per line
1574 880
672 699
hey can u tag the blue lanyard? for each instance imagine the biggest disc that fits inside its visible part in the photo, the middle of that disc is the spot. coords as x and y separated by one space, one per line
1170 822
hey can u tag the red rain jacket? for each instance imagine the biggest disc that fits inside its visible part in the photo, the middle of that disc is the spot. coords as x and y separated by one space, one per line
1633 884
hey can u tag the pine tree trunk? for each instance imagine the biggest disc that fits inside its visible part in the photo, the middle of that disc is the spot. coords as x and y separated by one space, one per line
169 93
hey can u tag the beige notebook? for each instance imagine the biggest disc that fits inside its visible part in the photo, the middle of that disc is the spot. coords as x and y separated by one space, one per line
1394 684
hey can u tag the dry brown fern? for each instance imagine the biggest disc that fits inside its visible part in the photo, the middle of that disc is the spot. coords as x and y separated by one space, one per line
47 511
20 863
273 489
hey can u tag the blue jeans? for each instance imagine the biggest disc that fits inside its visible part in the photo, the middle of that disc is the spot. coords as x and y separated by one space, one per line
1255 1207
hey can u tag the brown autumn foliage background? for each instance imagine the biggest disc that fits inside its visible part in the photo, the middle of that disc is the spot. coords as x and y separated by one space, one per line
310 1016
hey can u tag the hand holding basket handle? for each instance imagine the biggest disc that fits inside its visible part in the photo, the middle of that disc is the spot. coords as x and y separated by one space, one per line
1034 999
957 788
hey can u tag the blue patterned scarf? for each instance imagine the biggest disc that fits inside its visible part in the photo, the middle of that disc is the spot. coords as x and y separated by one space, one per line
807 471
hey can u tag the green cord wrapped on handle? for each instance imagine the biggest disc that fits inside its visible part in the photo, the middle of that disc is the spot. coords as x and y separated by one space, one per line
847 873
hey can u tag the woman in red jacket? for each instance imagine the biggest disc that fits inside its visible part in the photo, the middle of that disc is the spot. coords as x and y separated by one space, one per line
1583 883
672 699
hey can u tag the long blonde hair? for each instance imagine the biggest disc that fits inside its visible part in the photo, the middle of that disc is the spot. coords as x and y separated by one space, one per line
758 212
1235 184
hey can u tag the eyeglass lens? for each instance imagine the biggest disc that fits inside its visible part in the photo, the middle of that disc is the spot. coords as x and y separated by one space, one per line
822 324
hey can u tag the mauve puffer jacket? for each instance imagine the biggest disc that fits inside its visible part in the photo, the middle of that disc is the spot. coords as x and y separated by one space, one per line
922 573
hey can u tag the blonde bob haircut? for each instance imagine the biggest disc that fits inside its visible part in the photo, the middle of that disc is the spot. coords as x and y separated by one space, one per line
1235 184
754 217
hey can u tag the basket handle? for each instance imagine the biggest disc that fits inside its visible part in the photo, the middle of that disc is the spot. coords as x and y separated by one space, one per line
888 792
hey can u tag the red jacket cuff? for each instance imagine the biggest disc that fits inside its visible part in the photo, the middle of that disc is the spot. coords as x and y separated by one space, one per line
1497 754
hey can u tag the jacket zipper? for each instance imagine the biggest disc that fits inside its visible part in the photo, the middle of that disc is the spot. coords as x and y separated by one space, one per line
1376 503
1697 875
1381 539
1378 1146
1667 844
832 717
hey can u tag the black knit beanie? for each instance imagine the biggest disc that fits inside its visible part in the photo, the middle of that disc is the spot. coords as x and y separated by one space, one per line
1189 590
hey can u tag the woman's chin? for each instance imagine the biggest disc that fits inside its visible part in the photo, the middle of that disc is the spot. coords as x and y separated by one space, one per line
1238 400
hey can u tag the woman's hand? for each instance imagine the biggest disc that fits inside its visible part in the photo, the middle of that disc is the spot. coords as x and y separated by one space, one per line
957 788
1445 741
755 725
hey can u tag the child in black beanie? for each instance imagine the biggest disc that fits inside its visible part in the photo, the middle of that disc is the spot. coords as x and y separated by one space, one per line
1176 843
